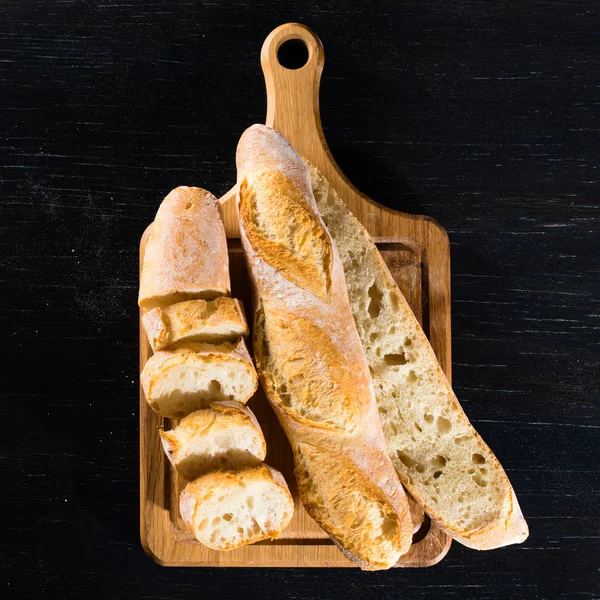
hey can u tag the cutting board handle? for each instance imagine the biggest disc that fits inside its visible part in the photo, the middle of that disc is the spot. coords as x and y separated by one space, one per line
293 107
293 94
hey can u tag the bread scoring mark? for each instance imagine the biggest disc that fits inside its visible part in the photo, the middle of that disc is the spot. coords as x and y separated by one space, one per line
285 232
304 372
348 505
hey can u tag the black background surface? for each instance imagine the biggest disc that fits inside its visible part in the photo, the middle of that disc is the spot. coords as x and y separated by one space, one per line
483 115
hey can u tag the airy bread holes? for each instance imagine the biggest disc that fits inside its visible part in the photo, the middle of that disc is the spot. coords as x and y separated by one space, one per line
395 359
410 462
375 303
438 461
411 377
443 425
478 459
214 387
202 524
479 480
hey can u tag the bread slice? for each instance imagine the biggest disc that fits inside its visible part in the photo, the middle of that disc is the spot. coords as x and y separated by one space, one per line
188 377
186 254
214 321
438 455
228 509
226 435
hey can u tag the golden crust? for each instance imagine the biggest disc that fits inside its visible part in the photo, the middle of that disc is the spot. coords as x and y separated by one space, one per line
285 232
349 506
186 254
305 373
214 321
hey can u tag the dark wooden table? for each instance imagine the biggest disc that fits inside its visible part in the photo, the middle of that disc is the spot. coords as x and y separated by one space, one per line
483 115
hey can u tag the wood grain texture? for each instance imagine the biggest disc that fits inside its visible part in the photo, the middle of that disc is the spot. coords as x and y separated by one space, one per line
417 252
482 115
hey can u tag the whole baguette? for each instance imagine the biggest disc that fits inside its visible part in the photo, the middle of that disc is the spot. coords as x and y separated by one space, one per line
186 253
310 360
438 455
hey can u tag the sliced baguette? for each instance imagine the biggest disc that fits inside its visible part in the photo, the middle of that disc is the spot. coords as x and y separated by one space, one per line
228 509
438 455
186 254
188 377
226 435
214 321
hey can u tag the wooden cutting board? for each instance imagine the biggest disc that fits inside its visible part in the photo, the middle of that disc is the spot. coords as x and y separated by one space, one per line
417 251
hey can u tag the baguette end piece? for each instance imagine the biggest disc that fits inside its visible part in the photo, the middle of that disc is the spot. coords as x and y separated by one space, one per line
186 253
513 530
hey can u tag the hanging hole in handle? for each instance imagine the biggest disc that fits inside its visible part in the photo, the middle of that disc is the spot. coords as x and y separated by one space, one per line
293 54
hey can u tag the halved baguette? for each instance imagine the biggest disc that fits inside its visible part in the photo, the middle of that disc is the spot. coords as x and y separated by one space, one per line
438 455
310 359
188 377
228 509
186 253
226 435
214 321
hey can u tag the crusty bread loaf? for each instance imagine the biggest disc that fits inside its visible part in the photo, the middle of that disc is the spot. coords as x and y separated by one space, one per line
188 377
186 254
214 321
228 509
226 435
437 454
310 359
